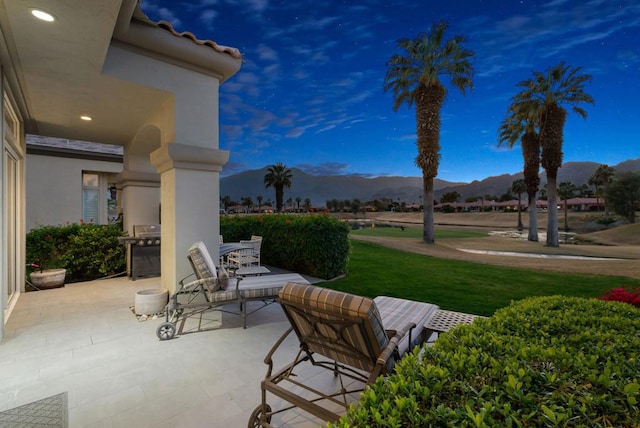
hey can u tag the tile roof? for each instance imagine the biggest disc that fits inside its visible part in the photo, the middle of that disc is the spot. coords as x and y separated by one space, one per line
63 143
210 43
165 25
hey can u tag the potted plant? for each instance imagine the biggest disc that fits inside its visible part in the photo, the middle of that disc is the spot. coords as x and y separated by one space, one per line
43 245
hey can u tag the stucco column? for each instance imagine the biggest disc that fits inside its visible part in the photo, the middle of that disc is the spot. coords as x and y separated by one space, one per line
140 198
190 195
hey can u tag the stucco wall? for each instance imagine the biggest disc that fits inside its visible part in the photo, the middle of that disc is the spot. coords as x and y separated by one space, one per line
54 188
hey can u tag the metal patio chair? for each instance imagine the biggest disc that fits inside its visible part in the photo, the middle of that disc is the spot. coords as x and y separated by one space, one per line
248 256
355 338
213 289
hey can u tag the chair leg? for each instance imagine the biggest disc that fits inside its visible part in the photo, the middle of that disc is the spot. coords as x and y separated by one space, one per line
243 306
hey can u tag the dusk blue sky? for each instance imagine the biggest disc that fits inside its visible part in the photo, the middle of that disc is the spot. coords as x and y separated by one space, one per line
310 92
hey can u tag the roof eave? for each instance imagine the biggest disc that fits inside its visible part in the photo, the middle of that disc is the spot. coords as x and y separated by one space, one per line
162 42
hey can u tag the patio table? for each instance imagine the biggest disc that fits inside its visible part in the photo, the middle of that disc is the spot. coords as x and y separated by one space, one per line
252 271
229 247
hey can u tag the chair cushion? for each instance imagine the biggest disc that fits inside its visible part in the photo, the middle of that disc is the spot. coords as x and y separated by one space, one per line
341 326
395 314
267 286
203 266
223 277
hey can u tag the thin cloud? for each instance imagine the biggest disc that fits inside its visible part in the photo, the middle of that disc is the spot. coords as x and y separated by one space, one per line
266 53
163 13
326 168
207 17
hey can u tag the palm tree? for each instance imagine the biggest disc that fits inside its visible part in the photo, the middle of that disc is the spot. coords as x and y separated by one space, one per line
521 125
298 200
519 187
566 191
259 198
600 179
414 77
278 176
248 202
226 202
544 96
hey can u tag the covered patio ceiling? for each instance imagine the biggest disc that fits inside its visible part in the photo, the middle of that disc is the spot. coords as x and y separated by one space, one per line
60 66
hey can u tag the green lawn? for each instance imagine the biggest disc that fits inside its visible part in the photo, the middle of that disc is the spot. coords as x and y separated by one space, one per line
415 232
456 285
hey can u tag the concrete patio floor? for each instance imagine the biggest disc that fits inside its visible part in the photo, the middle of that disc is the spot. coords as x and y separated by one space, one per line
84 339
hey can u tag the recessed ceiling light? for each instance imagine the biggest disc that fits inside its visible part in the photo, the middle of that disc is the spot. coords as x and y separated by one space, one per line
87 118
42 15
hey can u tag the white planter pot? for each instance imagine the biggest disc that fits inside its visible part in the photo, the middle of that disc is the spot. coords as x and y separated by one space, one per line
49 278
151 301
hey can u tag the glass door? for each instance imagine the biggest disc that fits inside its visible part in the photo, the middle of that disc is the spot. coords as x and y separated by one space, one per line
11 228
11 202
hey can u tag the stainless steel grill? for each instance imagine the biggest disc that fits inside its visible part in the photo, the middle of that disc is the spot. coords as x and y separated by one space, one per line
143 251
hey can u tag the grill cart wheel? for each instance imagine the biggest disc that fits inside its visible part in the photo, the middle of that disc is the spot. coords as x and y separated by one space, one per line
166 331
257 417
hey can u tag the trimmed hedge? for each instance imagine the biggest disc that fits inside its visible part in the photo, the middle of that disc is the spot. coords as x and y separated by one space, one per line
316 245
86 251
94 252
541 362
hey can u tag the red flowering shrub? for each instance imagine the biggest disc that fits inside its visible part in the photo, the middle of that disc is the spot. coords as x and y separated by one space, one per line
630 295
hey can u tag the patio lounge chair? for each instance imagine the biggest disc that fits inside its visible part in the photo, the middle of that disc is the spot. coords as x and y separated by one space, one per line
215 290
355 338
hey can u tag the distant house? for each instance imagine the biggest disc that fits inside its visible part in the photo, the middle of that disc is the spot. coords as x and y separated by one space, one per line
573 204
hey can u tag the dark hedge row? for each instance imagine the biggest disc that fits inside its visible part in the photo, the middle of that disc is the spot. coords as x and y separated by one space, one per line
315 245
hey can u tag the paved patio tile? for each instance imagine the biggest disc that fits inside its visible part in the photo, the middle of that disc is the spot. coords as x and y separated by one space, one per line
85 340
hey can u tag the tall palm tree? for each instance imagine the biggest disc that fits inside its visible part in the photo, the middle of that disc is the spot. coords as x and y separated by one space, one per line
278 176
522 125
414 77
544 96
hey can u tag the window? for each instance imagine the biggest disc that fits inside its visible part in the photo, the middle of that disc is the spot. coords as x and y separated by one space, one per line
90 197
99 197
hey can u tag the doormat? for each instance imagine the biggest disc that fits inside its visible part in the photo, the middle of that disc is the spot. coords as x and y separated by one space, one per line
50 412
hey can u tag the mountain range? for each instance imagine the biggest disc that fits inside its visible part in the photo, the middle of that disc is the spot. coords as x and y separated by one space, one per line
319 189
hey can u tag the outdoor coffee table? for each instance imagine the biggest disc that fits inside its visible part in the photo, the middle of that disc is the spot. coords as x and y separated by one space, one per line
443 321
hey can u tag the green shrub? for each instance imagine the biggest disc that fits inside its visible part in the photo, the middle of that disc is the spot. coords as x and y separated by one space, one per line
316 245
606 221
86 251
45 245
94 252
547 361
447 209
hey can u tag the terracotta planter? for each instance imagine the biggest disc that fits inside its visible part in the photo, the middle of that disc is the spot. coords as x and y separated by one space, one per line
49 278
